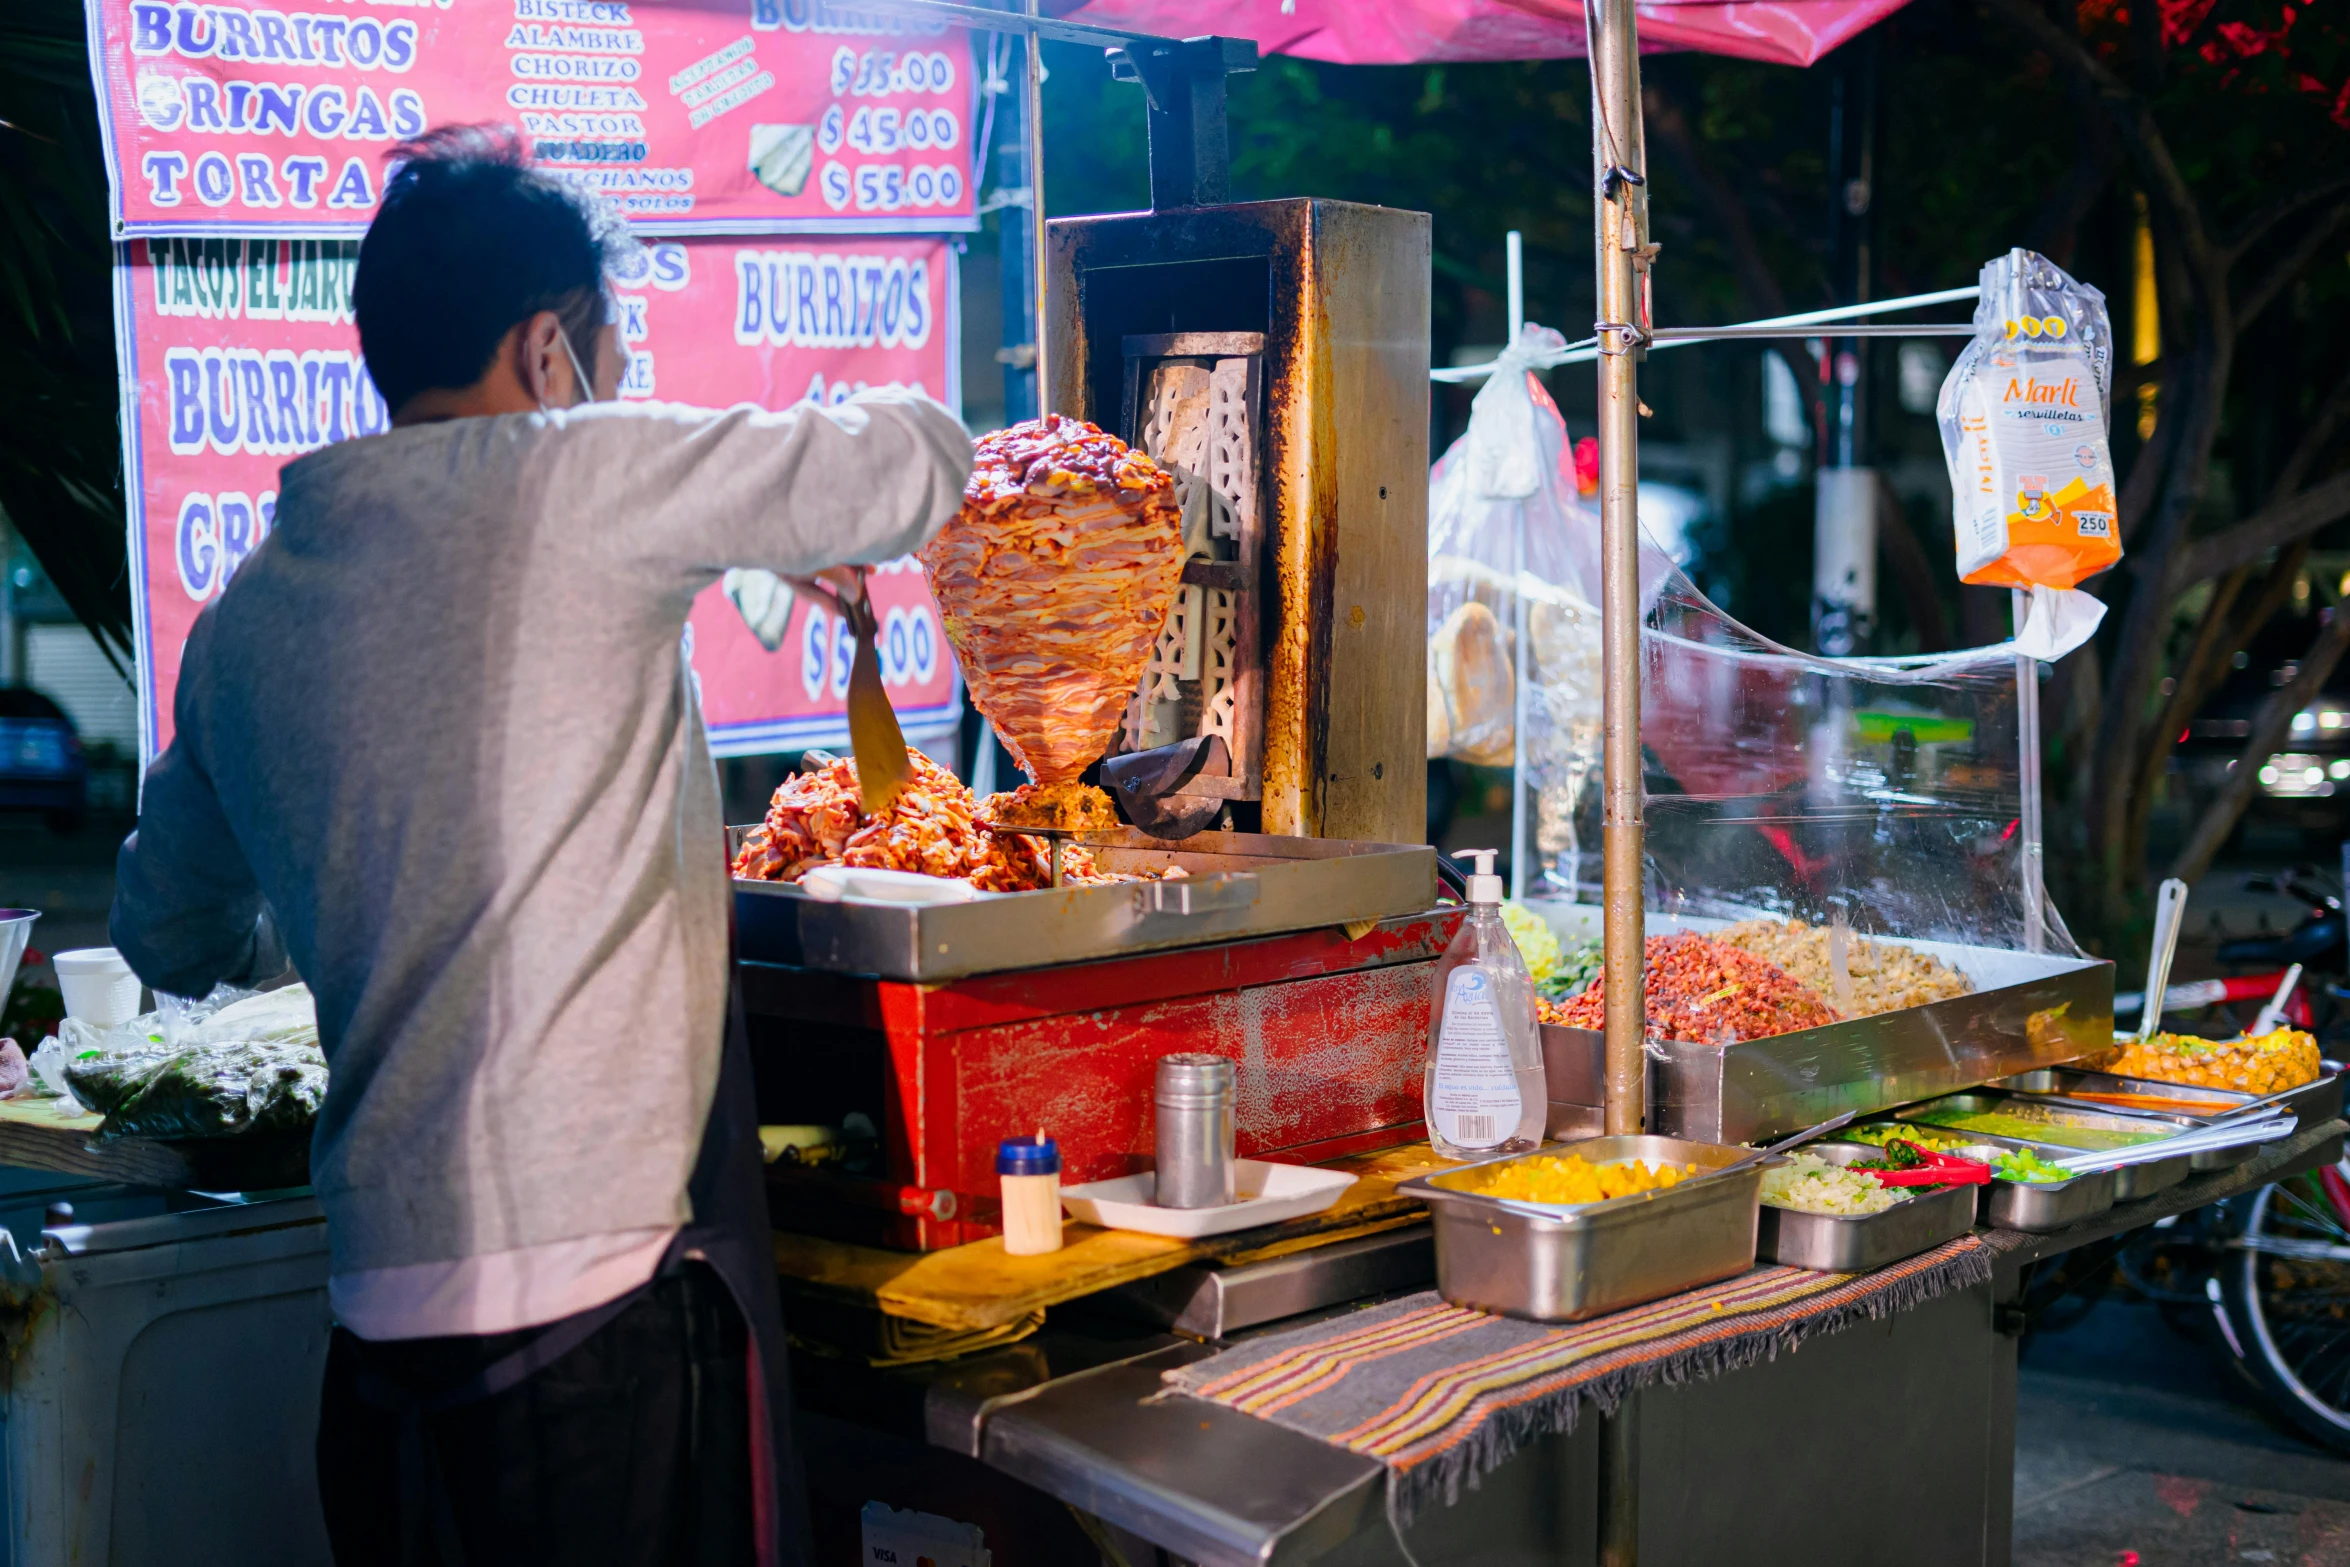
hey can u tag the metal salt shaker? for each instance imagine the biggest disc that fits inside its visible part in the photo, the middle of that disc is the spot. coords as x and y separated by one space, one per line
1194 1101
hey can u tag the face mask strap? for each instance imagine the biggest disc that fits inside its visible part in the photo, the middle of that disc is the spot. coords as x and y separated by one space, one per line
587 385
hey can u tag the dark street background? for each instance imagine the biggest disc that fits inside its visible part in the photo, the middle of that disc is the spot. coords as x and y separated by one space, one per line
2137 1448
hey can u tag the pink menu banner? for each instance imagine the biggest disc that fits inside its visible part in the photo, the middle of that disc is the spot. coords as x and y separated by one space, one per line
693 116
239 354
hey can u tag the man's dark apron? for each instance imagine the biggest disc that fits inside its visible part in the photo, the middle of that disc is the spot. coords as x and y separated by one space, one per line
729 1233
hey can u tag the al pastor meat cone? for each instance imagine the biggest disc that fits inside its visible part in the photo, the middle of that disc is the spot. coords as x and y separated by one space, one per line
1054 581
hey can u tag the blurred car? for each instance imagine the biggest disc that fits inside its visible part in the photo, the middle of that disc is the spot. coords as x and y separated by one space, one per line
41 763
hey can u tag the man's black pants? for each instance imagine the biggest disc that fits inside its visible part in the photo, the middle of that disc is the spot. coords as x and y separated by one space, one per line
632 1448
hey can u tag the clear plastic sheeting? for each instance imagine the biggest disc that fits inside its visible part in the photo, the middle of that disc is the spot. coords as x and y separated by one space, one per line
1511 551
1887 793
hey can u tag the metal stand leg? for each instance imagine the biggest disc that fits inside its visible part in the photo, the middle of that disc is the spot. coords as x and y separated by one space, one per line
1619 1485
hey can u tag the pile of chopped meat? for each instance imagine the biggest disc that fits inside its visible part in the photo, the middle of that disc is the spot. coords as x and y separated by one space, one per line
1708 991
1054 581
930 828
1068 807
1884 975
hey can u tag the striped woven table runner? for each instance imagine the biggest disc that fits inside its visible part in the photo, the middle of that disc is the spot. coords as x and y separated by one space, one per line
1441 1394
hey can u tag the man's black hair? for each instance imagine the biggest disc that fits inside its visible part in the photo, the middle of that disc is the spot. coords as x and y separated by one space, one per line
470 241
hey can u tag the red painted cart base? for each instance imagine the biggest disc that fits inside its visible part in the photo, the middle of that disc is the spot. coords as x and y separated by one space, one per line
1328 1035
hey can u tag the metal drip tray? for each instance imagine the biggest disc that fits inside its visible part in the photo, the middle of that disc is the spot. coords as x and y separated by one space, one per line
1236 886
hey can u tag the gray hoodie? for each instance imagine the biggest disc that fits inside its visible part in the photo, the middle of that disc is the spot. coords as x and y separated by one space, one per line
440 722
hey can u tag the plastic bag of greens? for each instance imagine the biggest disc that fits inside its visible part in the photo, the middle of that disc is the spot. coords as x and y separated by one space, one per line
104 1068
223 1090
232 1063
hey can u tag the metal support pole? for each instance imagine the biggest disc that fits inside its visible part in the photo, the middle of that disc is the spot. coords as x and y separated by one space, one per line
1844 522
1032 100
1623 253
1185 88
1514 248
1619 1484
1514 251
1018 256
2027 736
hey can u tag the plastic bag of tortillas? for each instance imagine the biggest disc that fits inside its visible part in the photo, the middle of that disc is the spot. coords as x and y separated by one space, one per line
2023 415
1504 520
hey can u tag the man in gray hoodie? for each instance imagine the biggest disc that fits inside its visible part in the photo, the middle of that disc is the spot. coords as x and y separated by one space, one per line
437 743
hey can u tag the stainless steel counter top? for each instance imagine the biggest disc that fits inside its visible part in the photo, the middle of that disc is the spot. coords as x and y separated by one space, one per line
1214 1486
1069 1412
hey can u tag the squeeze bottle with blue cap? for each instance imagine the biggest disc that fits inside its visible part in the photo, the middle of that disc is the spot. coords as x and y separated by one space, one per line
1484 1092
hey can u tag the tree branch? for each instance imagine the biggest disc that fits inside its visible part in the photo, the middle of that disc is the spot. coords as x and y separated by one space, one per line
2198 673
2288 266
2154 453
2219 637
2190 681
2052 228
2277 524
2133 116
2322 423
2249 232
2268 732
1668 130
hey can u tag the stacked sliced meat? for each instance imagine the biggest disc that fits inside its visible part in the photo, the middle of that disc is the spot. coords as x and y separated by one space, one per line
1054 581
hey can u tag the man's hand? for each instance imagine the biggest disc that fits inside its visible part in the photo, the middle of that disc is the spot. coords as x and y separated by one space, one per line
843 585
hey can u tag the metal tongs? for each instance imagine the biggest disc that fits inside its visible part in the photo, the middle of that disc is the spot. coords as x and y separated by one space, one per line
1783 1145
875 739
1053 837
1939 1169
2170 914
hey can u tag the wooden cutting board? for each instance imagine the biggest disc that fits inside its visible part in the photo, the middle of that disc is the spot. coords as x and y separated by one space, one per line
977 1286
54 1134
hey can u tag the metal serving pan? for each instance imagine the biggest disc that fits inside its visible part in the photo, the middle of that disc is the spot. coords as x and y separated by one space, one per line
1237 885
2041 1206
2130 1182
1858 1242
2028 1010
2314 1101
1563 1264
2093 1117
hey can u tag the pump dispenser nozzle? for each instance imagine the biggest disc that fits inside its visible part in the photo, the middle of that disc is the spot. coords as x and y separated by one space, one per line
1484 886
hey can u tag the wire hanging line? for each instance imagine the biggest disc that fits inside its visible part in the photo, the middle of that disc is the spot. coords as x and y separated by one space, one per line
1796 325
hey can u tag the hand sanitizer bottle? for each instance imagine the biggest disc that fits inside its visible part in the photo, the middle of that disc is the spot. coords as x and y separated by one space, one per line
1484 1093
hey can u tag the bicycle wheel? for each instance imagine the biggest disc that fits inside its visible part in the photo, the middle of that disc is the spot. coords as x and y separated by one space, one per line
2287 1288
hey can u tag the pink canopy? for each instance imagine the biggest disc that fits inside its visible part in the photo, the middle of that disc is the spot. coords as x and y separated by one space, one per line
1403 32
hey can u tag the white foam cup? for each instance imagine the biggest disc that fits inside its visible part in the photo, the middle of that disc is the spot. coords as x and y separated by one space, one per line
98 986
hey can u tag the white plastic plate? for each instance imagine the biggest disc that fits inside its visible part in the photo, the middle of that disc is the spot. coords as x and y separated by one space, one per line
1266 1194
838 883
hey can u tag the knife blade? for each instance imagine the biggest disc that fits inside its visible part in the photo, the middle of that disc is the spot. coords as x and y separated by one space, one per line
874 737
